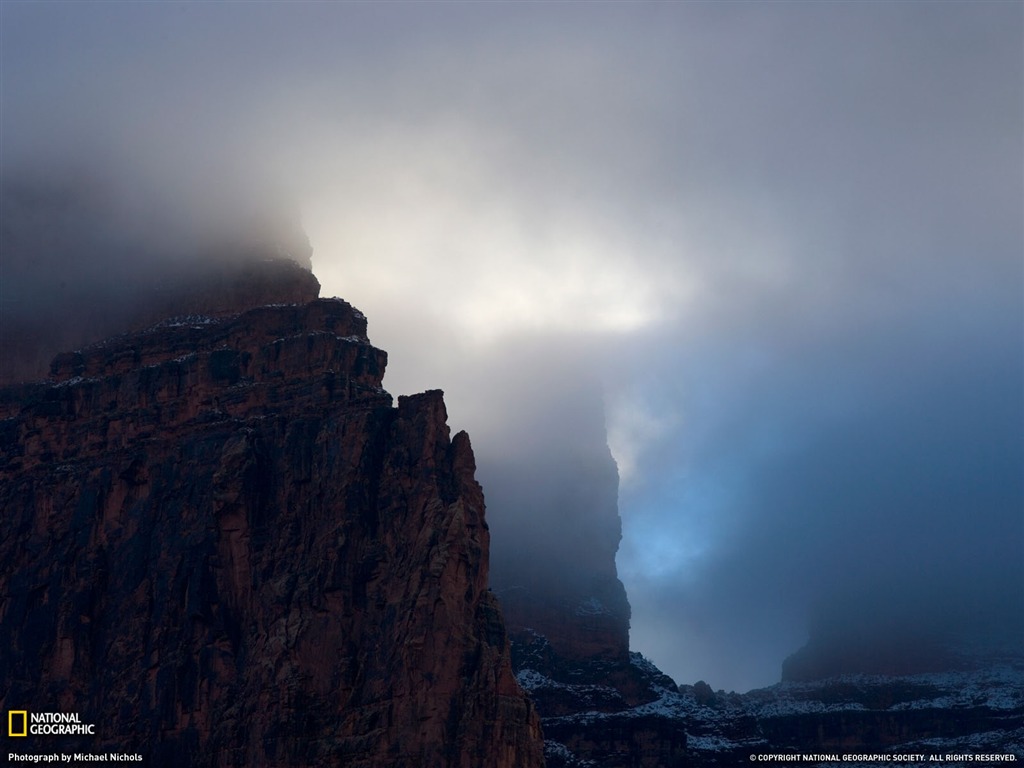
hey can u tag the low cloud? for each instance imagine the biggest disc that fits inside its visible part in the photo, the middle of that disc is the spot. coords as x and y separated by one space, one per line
779 243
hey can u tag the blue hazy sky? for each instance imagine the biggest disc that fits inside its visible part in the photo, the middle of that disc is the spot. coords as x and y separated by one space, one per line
784 241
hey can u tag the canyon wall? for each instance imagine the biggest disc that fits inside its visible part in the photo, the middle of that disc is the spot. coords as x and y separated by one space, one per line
224 546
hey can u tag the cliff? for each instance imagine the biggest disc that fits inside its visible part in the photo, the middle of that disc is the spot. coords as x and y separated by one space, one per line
224 546
555 519
554 564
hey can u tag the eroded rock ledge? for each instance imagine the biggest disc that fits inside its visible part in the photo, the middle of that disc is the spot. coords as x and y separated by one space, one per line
225 546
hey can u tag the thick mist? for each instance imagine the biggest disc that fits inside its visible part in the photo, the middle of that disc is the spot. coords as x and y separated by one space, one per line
81 261
771 252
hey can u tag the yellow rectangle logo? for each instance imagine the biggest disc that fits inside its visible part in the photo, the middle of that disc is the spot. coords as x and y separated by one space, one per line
17 722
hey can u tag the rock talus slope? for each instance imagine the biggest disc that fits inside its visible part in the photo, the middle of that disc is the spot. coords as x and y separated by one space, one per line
224 546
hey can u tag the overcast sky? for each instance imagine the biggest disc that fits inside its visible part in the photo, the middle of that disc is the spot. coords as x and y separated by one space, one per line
784 241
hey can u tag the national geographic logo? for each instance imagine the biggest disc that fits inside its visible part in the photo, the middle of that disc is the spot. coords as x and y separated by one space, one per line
21 723
17 722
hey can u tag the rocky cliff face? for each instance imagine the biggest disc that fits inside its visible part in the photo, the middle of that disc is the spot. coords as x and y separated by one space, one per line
224 546
556 512
555 566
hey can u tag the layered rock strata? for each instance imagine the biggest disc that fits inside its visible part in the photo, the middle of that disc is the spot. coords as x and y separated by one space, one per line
224 546
967 714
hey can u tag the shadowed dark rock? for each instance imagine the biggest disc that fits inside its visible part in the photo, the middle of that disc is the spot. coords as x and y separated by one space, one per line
224 546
